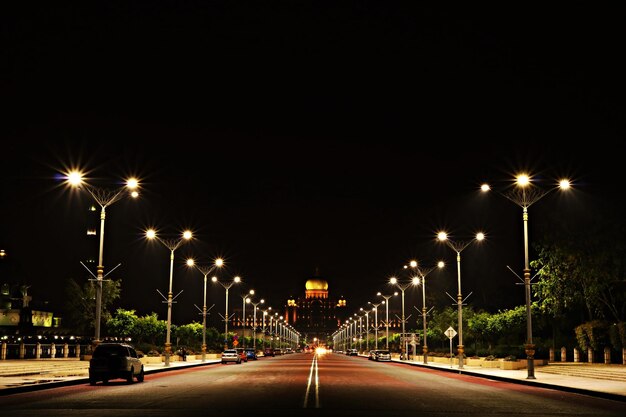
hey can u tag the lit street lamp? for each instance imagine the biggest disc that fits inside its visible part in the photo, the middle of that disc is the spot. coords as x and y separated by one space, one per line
403 286
421 276
386 303
172 245
104 198
458 247
246 300
525 194
375 309
205 270
256 306
226 287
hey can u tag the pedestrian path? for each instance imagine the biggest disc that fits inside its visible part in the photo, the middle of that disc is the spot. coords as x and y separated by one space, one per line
606 381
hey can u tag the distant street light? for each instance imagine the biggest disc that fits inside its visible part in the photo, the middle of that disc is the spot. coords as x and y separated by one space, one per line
458 247
375 309
256 306
386 303
226 287
104 198
246 300
205 270
172 245
403 286
525 194
421 276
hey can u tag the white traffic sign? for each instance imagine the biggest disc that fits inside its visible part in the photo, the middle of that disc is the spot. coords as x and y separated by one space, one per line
450 332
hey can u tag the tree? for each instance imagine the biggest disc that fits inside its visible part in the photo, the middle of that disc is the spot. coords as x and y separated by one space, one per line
123 323
80 311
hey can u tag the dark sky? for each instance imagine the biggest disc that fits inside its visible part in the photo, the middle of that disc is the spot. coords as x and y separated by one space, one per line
294 135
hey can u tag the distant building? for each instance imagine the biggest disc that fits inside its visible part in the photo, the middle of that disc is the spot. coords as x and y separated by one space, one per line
315 314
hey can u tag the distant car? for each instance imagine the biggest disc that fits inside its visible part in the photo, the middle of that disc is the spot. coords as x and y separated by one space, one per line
268 351
382 355
242 353
352 352
278 351
288 351
371 355
115 360
231 355
251 354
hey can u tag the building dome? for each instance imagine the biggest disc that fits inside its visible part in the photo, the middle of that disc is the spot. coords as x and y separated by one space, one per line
316 284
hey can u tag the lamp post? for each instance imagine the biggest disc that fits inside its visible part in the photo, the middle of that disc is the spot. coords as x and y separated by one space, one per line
458 247
246 300
265 313
104 198
226 287
256 306
172 245
367 329
386 303
375 308
403 287
525 194
421 275
205 270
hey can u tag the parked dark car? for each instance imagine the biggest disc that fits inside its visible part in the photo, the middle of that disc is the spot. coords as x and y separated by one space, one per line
251 354
115 360
268 352
352 352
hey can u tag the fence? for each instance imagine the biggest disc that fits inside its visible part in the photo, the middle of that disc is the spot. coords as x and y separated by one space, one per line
41 350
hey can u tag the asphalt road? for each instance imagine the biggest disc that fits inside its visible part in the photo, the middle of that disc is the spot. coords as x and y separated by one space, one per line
307 384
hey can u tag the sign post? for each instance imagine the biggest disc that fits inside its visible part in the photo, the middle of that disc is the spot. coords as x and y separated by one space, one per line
450 332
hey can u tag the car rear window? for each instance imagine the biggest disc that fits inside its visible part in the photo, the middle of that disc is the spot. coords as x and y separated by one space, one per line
109 350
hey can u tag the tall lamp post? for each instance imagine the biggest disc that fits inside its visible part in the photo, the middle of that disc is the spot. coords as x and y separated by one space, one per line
256 306
403 286
246 300
104 198
458 247
375 308
525 194
386 302
205 270
421 276
226 287
367 328
172 245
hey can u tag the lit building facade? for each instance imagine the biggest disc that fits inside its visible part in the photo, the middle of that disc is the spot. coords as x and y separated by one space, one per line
315 314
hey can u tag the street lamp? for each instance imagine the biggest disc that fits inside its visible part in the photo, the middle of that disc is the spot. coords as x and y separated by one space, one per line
172 245
525 194
386 303
265 313
367 328
375 309
256 306
458 247
226 287
104 198
205 270
246 300
403 286
421 279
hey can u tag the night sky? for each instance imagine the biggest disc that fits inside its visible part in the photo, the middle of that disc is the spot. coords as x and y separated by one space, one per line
292 136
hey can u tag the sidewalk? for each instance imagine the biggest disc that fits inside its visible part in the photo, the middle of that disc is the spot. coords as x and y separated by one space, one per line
598 380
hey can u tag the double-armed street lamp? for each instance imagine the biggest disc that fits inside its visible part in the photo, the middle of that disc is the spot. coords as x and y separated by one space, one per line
104 198
375 309
524 194
266 312
205 270
172 245
246 300
256 307
421 280
367 328
386 303
226 286
458 247
403 286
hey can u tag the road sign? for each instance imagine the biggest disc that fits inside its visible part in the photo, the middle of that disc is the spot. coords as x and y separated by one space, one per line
235 342
450 332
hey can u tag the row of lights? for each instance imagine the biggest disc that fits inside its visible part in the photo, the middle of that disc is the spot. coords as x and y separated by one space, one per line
524 194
